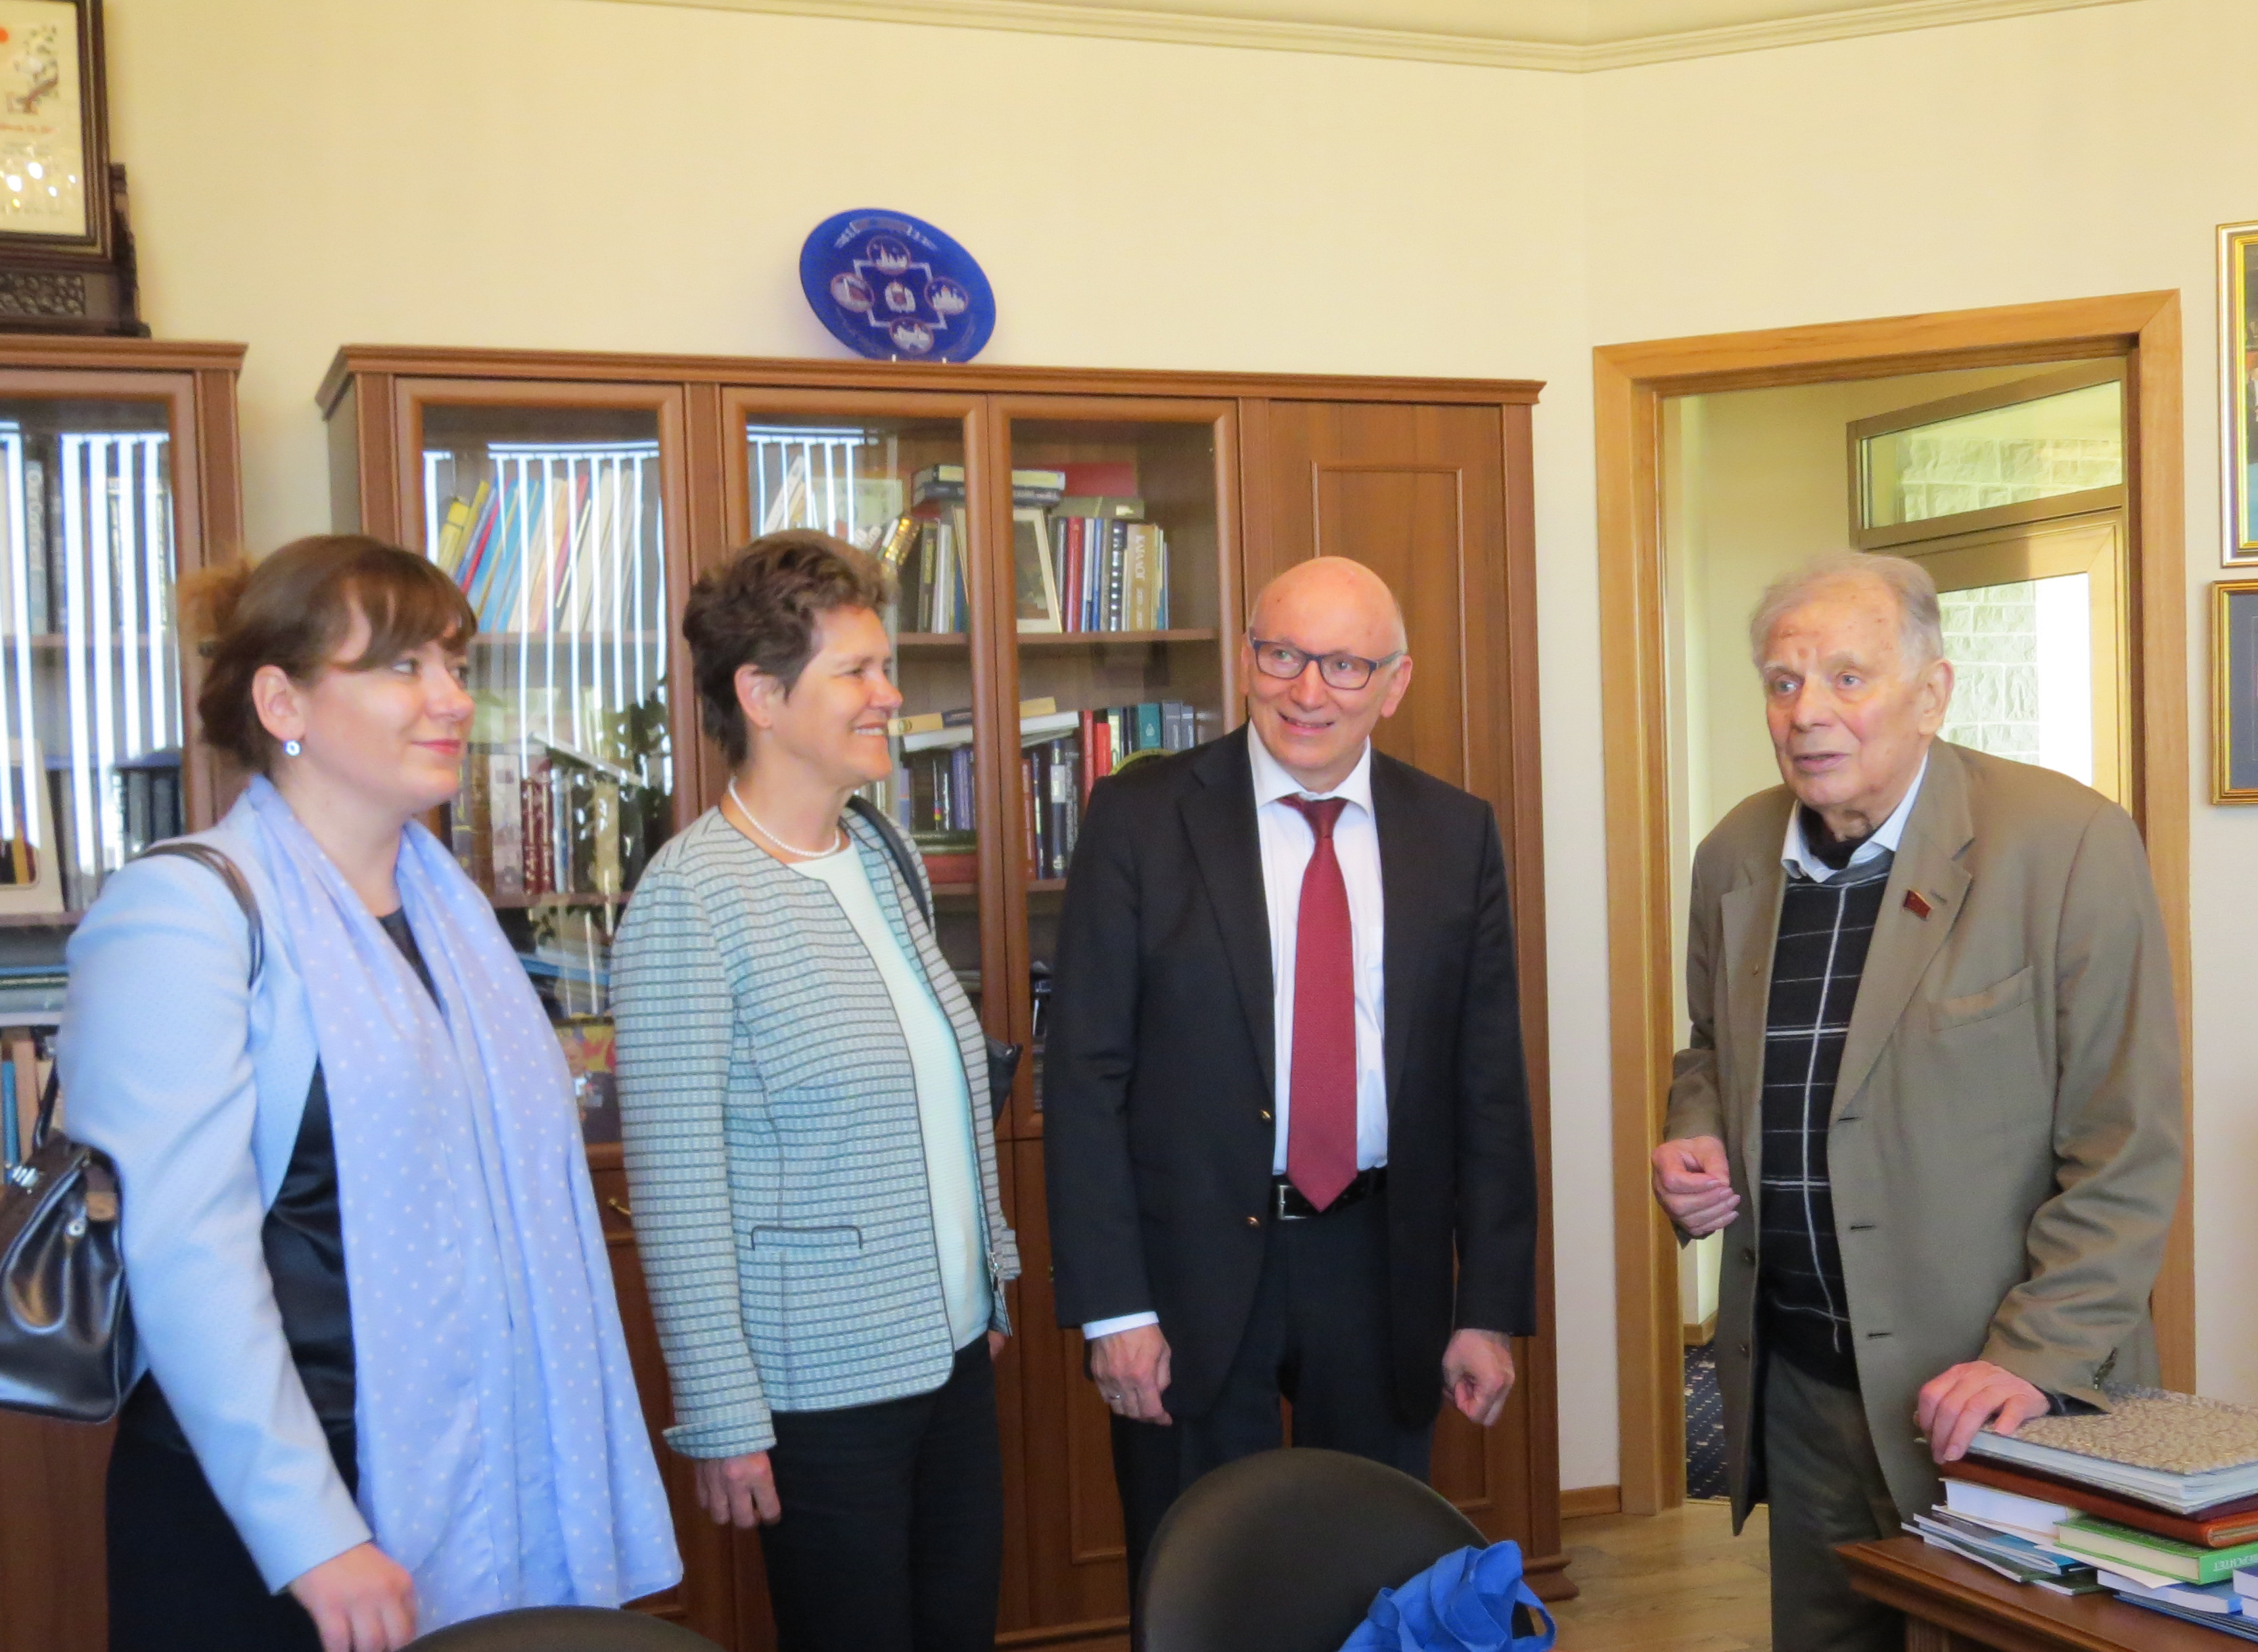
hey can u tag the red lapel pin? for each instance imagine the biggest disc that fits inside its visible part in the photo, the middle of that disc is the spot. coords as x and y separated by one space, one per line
1915 904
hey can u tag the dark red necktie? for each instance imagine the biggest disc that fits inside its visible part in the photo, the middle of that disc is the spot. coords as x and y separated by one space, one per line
1321 1125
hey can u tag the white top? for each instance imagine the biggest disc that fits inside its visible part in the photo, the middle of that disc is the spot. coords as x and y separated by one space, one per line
1795 855
944 1099
1288 841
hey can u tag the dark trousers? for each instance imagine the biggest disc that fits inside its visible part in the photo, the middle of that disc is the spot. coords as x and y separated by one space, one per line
180 1579
892 1534
1824 1485
1317 1336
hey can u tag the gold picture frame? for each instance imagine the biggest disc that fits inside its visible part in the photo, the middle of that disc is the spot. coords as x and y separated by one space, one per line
2234 692
2238 405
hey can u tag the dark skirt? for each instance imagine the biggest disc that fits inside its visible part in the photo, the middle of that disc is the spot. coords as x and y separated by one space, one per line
180 1579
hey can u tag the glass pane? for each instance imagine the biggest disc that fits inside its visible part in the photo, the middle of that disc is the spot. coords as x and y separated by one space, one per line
2028 450
1117 573
89 660
2022 656
550 520
896 487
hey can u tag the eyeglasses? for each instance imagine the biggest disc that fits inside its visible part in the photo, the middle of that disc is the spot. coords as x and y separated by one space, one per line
1283 661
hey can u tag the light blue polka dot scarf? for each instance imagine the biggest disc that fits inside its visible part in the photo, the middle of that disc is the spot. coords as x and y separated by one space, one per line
503 1458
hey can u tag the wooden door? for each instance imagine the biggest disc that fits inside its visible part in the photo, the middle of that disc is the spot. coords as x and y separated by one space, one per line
1436 500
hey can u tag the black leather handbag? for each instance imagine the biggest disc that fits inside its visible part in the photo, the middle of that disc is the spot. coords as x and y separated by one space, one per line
66 1330
1003 1059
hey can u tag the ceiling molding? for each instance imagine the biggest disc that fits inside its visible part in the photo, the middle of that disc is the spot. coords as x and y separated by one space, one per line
1554 35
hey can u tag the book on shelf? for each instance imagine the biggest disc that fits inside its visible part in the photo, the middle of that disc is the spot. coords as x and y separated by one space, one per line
931 586
1064 755
944 483
1112 573
2103 1543
2220 1528
961 717
2177 1451
542 552
532 821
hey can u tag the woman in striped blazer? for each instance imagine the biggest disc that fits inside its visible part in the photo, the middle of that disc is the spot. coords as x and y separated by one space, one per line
804 1096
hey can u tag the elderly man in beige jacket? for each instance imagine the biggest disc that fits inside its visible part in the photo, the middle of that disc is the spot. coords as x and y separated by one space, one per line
1932 1093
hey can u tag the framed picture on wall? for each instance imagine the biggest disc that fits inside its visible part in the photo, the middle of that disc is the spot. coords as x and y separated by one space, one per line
2238 408
66 254
2234 692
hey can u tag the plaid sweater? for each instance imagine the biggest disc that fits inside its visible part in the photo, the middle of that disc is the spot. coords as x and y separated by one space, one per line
1820 953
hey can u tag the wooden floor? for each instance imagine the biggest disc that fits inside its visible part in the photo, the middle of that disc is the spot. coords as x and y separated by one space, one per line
1679 1582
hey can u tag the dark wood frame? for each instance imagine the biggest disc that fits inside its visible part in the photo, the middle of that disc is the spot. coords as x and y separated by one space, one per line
367 397
52 1568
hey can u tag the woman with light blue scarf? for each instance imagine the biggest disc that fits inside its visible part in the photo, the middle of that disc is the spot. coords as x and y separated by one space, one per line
386 1385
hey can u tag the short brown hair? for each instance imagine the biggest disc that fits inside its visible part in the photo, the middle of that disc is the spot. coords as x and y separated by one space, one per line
760 608
293 609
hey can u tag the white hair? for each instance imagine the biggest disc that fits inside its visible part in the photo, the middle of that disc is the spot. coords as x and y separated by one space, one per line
1920 634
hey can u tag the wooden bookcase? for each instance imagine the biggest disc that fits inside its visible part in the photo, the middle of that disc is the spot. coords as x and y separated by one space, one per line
1427 480
118 473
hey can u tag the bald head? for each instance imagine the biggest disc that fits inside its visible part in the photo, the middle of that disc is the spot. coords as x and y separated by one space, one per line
1337 593
1339 620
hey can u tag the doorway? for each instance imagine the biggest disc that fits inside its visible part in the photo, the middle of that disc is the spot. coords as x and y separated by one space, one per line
1908 438
2007 484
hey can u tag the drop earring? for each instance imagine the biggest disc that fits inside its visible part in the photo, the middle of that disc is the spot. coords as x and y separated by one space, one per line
291 748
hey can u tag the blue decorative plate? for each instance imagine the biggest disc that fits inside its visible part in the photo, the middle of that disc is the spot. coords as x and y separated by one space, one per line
895 288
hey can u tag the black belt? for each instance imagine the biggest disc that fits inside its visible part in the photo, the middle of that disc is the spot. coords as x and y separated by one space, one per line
1288 1203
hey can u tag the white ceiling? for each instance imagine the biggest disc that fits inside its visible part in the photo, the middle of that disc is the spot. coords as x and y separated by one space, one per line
1570 35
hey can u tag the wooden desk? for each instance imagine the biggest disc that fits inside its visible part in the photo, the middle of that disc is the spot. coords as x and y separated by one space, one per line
1955 1606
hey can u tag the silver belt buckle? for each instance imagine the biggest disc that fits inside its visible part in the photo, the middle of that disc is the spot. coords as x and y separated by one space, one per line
1278 1202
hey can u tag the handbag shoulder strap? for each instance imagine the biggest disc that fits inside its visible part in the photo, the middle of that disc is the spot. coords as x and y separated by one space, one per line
888 835
229 873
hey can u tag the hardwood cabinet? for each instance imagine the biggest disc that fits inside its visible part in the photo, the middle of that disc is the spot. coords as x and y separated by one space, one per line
117 475
1039 640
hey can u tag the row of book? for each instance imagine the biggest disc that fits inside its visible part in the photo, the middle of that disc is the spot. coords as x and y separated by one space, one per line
126 808
93 522
26 1057
531 822
1066 754
1110 569
557 542
2154 1501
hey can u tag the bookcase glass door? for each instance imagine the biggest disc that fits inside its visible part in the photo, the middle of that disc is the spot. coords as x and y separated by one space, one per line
895 486
551 520
1119 588
91 708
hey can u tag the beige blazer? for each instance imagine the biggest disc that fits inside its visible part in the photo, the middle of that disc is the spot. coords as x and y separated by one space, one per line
2004 1142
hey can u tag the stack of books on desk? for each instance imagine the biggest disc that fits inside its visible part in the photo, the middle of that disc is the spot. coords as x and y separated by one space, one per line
2156 1497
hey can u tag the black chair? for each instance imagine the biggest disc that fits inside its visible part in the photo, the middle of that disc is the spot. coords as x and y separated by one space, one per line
1284 1551
562 1629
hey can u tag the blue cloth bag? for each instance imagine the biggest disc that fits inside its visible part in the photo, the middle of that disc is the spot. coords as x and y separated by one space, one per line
1462 1603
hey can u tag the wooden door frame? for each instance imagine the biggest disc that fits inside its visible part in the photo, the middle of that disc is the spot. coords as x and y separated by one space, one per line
1629 383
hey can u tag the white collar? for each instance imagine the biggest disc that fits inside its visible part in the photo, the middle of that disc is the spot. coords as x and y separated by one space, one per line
1795 855
1273 783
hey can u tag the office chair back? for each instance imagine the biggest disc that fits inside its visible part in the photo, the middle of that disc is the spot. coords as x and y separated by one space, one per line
1284 1551
563 1629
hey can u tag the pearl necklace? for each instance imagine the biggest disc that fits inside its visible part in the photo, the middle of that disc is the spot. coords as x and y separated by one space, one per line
837 843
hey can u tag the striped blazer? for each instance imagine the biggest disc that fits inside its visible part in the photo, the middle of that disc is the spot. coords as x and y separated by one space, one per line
773 1141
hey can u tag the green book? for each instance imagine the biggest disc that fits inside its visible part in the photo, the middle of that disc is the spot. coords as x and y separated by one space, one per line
2102 1540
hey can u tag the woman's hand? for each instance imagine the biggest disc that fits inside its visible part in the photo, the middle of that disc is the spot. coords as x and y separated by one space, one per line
362 1600
737 1491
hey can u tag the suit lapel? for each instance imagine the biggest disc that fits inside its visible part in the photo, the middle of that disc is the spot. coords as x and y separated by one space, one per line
1219 820
1750 912
1401 946
1905 942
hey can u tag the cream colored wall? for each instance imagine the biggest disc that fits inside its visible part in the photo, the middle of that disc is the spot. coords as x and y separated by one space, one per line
2046 157
570 174
577 173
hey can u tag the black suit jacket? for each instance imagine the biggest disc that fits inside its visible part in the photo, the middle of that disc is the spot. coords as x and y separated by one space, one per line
1158 1069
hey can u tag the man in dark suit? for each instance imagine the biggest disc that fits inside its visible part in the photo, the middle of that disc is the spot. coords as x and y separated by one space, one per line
1284 1090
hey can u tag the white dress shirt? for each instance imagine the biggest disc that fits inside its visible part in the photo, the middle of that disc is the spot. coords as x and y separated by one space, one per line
1795 855
1288 841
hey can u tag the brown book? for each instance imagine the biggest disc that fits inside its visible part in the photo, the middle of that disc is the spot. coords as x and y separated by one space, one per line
2220 1527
